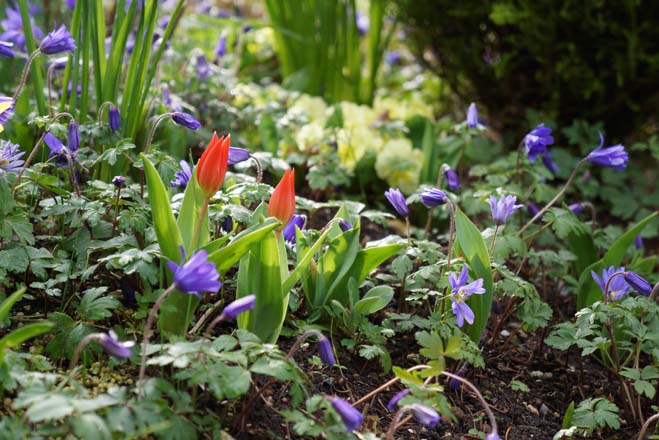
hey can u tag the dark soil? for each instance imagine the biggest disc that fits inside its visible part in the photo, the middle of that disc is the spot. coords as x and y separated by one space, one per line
554 381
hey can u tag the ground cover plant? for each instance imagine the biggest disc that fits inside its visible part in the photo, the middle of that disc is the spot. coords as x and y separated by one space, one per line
246 220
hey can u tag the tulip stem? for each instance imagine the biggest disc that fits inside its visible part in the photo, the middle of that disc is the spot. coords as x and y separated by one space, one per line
200 221
556 197
26 70
147 331
35 148
83 342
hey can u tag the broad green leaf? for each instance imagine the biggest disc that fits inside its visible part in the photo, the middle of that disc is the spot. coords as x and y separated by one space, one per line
365 262
618 249
169 236
303 262
8 303
475 253
51 407
260 274
22 334
91 426
191 210
375 299
229 255
587 290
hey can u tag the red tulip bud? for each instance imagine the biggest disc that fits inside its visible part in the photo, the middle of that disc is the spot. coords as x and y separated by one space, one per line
282 201
212 166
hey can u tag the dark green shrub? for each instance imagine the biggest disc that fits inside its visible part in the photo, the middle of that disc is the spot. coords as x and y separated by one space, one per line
586 59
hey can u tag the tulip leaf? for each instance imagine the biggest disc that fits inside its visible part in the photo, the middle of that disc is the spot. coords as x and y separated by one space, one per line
475 252
22 334
229 255
375 299
191 210
260 274
167 232
8 303
588 290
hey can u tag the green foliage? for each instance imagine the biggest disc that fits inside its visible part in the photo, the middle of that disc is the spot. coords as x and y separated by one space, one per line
319 47
473 247
596 413
16 337
543 54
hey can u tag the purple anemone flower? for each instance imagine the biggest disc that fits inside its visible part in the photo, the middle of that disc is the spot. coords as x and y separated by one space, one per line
397 200
289 229
434 197
13 29
392 57
460 292
112 346
8 112
58 149
425 415
7 49
239 306
196 275
363 23
493 436
237 155
114 118
638 242
548 161
537 141
397 397
57 41
74 136
638 283
351 417
10 157
203 69
186 120
502 208
613 157
618 287
452 180
166 98
181 178
345 225
325 351
576 208
472 116
227 224
119 181
221 48
71 4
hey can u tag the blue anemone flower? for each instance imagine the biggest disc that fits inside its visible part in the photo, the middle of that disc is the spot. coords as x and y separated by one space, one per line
613 157
196 275
460 292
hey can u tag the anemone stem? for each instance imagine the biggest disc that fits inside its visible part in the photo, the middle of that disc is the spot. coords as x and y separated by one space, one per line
147 331
26 70
556 197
